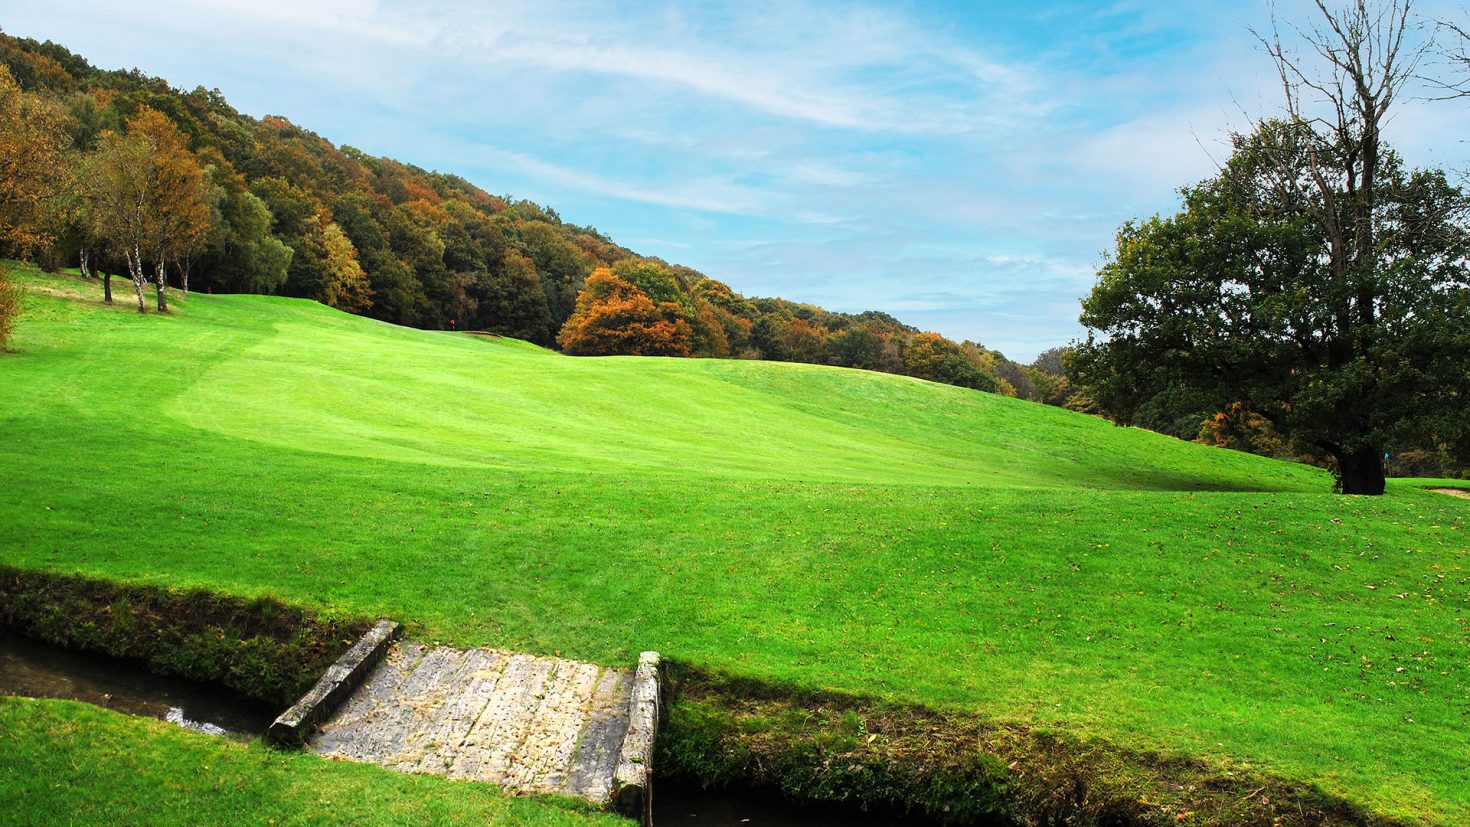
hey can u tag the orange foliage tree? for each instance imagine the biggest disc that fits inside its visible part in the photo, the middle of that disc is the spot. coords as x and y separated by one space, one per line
146 196
614 317
32 167
345 286
31 171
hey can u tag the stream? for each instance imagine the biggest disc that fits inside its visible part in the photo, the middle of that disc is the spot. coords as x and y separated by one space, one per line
40 670
675 804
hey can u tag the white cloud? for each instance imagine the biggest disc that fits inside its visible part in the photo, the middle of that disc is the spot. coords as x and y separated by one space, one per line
828 65
711 194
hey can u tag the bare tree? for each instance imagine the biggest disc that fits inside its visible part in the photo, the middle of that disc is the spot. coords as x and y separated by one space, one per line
1341 75
1365 62
1455 36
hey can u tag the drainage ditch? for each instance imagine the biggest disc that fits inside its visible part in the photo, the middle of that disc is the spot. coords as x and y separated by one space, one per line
40 670
677 803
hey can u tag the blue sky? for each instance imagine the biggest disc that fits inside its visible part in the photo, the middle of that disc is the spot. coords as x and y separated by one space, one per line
962 166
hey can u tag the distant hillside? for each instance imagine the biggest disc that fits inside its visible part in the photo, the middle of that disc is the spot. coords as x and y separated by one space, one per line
288 209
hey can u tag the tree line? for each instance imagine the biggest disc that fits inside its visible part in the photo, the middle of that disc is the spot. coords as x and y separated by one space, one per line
178 190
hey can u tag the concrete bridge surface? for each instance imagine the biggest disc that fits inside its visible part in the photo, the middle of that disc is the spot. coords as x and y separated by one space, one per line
527 723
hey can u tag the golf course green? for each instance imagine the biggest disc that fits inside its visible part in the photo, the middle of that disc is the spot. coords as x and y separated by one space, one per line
818 527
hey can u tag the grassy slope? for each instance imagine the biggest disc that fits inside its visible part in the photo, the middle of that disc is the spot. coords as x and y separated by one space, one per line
837 529
70 763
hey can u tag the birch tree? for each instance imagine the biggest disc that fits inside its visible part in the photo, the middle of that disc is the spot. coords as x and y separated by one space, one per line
146 198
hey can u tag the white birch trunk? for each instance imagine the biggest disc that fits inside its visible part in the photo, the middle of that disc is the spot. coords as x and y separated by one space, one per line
135 270
161 286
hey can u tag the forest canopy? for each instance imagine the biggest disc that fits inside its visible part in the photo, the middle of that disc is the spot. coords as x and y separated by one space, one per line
224 202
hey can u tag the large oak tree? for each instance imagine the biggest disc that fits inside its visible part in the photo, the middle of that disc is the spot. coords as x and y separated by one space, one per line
1240 300
1314 282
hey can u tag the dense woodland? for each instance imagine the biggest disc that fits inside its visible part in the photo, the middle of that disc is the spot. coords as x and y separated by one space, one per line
178 190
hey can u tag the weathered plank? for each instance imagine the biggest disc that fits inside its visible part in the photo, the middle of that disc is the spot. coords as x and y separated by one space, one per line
596 756
633 781
341 678
527 723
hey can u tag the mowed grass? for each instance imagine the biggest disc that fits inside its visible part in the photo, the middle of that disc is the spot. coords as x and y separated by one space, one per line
70 763
829 528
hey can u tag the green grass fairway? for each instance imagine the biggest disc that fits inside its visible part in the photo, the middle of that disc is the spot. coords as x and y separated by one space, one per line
70 763
831 528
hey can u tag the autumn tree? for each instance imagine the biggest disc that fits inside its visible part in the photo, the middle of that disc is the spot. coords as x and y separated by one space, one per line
178 197
933 357
732 312
32 167
614 317
324 266
146 197
32 171
346 286
675 286
114 185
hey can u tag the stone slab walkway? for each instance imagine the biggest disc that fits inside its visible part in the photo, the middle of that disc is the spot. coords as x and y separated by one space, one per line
527 723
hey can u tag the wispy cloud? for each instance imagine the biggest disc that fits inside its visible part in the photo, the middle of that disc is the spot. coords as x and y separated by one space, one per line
829 65
712 194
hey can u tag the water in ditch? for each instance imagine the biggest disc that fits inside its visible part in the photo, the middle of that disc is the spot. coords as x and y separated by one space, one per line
40 670
676 804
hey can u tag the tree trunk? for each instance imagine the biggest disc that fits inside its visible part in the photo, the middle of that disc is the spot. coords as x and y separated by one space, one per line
185 276
83 259
135 269
106 284
161 287
1361 472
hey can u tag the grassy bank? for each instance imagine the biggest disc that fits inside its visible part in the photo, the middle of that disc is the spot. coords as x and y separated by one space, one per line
822 528
70 763
908 762
259 647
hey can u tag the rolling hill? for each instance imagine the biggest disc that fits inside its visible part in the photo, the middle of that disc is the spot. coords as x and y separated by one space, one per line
821 527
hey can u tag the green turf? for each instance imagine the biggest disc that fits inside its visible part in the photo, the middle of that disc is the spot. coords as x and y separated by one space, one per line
836 529
70 763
